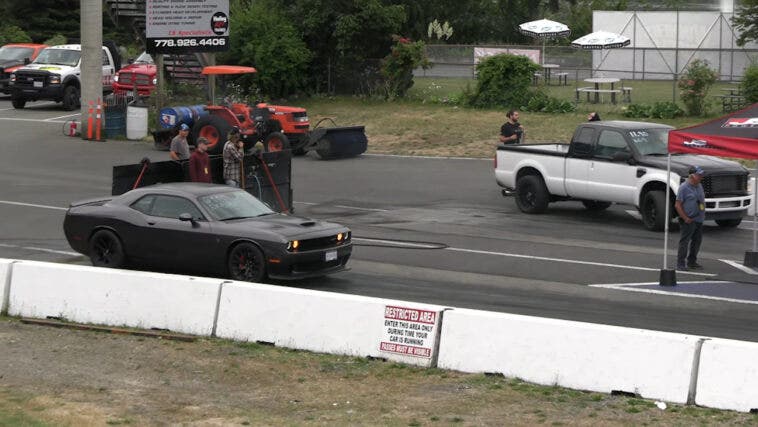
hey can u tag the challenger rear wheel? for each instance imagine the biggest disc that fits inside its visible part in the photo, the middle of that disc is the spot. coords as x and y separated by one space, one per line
106 250
246 263
214 129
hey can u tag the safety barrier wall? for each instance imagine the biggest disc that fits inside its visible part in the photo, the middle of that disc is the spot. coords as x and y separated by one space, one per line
113 297
5 281
583 356
728 375
329 323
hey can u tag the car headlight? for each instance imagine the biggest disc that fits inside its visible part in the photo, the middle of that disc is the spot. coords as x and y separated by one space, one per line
301 119
13 77
292 245
55 79
155 81
115 78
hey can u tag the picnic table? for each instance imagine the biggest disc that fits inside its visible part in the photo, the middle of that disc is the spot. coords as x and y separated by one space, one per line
597 89
733 100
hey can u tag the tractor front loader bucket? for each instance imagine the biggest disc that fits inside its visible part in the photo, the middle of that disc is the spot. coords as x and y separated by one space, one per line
338 142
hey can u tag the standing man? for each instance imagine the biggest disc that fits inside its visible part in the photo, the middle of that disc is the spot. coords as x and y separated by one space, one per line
179 146
199 163
690 205
512 132
233 155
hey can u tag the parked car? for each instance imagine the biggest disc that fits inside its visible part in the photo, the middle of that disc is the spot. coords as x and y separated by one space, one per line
142 72
204 228
14 56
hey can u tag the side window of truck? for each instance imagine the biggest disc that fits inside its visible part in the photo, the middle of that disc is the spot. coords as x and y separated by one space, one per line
609 143
582 143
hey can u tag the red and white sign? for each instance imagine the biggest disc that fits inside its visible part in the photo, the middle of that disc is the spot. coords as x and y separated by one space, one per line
409 331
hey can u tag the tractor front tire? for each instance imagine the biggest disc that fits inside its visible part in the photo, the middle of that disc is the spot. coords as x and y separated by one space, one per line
276 141
213 128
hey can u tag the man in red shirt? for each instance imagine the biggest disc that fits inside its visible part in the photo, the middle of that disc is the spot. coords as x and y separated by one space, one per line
199 163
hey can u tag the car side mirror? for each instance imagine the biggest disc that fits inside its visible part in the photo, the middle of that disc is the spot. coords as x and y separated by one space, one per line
186 217
27 61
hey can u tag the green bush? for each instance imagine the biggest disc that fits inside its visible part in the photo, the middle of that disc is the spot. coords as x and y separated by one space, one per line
659 110
397 67
503 81
56 40
13 34
542 103
694 85
749 85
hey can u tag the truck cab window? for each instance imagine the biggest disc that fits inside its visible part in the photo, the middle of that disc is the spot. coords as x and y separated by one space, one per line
610 143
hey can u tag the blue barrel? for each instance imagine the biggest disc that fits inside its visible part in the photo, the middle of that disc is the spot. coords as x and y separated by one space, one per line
115 122
171 117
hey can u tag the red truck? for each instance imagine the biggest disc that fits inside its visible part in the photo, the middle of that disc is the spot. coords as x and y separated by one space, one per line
142 71
14 56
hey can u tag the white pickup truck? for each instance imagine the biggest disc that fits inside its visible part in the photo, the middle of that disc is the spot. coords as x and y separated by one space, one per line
55 75
618 162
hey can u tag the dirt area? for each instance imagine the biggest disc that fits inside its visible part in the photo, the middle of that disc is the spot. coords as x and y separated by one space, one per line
54 376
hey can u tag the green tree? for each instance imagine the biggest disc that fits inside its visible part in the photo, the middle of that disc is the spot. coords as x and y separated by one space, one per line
264 38
749 84
13 34
503 81
42 19
398 66
746 22
694 86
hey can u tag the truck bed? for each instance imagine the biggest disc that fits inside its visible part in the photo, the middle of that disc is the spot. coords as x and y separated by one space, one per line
558 149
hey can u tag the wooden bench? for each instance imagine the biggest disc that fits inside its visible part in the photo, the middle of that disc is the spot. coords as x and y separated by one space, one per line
562 78
536 78
597 92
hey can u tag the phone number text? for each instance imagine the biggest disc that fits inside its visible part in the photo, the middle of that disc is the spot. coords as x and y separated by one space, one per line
189 42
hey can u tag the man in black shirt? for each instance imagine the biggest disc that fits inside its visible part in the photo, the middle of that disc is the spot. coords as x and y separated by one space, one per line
512 132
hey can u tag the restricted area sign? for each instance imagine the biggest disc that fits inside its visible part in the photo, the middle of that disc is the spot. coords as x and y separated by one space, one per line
185 26
409 331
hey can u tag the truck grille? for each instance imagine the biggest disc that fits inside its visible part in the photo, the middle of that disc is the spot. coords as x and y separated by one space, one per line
26 79
131 78
720 185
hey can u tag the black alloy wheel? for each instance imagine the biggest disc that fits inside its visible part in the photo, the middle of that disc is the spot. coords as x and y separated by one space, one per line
531 194
71 98
246 263
106 250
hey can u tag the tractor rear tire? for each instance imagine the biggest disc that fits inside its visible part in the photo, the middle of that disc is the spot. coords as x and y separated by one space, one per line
276 141
213 128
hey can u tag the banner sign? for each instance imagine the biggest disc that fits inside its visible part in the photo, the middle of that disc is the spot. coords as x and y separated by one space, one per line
187 26
409 331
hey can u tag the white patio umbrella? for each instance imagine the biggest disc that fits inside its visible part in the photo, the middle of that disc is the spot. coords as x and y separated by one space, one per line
601 40
544 29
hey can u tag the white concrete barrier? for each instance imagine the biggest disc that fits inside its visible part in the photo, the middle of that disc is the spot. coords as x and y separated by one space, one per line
114 297
728 375
329 323
577 355
5 282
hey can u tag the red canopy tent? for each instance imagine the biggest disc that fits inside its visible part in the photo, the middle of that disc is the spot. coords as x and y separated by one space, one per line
734 135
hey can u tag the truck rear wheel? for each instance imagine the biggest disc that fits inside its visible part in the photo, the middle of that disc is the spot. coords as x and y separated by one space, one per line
71 98
531 194
213 128
18 103
728 223
654 210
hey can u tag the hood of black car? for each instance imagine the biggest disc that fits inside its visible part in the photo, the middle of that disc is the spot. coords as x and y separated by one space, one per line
680 164
286 226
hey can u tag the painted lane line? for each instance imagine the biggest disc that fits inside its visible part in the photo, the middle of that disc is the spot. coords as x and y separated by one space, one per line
360 209
34 248
6 202
569 261
398 243
632 287
305 203
61 117
739 266
30 120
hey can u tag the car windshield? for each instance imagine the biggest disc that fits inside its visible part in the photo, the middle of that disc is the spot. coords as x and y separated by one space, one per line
12 53
650 141
144 58
233 205
59 57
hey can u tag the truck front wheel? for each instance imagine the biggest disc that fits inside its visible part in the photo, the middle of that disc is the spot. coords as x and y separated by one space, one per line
728 223
18 103
531 194
71 98
654 210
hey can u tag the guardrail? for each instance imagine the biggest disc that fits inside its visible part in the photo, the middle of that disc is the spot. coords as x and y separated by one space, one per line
673 367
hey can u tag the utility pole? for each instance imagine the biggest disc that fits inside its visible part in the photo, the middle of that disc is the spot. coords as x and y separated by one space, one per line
91 31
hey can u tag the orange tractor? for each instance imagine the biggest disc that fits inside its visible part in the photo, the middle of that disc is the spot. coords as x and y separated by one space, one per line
276 127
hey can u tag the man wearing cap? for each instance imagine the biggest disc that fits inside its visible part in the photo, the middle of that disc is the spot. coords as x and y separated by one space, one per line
199 163
690 205
179 147
233 155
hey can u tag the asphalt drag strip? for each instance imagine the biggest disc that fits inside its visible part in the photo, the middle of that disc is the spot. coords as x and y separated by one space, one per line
743 293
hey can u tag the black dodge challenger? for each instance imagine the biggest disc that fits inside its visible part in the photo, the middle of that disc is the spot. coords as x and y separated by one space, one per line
204 228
